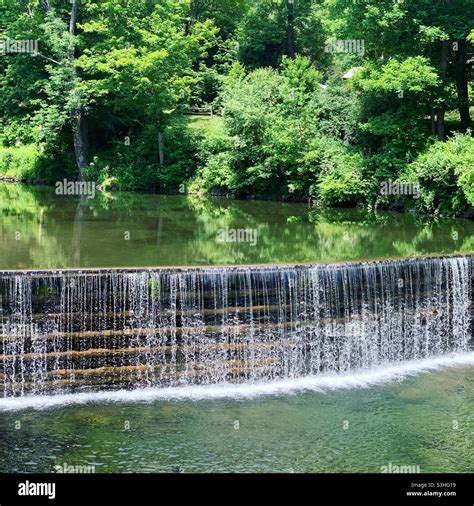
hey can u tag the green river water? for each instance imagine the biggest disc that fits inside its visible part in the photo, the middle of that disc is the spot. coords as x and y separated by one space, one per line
424 421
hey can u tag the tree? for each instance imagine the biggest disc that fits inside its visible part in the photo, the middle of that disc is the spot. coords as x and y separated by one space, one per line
65 52
103 60
225 13
436 30
272 29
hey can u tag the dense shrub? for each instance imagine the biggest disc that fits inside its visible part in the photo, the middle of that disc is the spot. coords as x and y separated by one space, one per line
19 162
395 97
445 173
285 137
120 162
337 111
341 180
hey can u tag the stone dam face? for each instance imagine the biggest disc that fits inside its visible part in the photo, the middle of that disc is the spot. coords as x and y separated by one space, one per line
71 331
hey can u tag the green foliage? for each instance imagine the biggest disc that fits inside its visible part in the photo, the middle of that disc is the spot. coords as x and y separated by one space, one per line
341 179
394 105
225 13
19 162
413 74
288 125
271 143
263 32
119 164
122 54
337 109
445 173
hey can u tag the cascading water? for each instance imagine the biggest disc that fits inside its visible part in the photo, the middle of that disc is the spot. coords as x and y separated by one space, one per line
92 330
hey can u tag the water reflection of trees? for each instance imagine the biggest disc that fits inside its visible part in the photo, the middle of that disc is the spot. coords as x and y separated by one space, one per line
25 240
327 235
179 230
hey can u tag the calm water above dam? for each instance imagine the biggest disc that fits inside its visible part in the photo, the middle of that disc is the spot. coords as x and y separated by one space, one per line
40 230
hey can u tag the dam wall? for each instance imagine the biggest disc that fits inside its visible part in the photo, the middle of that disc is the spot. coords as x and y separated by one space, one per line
72 331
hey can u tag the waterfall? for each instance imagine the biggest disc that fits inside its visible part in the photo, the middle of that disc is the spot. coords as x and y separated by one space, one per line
73 331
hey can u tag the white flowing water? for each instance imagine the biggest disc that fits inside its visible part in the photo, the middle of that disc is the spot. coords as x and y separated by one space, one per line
72 332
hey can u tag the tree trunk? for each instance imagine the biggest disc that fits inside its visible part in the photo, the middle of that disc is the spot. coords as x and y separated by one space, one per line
79 126
72 20
79 123
440 113
291 29
462 85
45 5
440 123
161 150
187 26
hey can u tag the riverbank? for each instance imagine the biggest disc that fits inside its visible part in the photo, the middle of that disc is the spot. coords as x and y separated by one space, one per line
438 182
394 206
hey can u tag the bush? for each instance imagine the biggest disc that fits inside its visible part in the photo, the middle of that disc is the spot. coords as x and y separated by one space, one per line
445 173
120 162
216 161
395 97
216 174
337 111
16 129
264 138
277 141
341 181
20 162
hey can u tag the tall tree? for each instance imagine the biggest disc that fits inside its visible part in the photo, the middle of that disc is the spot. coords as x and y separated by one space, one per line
225 13
67 62
403 29
126 64
462 84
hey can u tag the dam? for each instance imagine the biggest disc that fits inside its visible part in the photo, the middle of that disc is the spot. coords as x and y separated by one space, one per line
68 331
